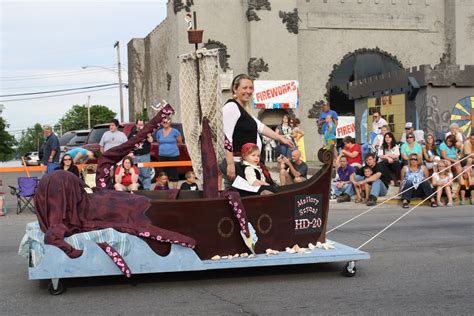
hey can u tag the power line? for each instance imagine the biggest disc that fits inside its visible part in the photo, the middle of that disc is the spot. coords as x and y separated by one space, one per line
48 73
54 91
57 75
52 85
59 95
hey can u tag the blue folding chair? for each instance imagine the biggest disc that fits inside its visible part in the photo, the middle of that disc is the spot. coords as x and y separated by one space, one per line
24 193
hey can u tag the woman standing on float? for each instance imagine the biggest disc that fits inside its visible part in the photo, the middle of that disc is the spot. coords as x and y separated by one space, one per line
241 127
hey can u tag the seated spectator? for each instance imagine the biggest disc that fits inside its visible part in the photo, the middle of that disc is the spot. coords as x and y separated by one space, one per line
252 171
410 129
466 189
293 171
430 151
81 155
389 155
344 172
442 181
468 147
162 181
410 147
363 187
378 140
352 151
190 183
414 184
126 176
454 130
68 165
448 152
379 181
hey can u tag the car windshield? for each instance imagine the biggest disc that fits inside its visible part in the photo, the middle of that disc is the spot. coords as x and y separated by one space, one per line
97 132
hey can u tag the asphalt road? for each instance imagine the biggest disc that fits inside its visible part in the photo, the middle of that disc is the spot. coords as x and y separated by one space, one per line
422 265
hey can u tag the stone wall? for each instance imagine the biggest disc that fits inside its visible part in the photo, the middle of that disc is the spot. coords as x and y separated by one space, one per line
300 39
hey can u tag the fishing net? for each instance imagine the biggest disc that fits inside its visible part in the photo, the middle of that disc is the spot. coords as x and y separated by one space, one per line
211 106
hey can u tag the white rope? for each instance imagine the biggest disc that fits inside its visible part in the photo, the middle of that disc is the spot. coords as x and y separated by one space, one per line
393 197
409 211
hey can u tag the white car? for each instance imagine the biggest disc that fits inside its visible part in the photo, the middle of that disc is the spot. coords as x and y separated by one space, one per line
32 158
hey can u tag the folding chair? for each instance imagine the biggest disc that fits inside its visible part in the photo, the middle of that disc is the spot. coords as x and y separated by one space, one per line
25 193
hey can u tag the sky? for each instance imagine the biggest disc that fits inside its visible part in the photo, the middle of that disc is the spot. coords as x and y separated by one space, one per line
45 44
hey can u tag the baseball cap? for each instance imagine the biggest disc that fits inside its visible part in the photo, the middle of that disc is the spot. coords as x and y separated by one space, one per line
408 125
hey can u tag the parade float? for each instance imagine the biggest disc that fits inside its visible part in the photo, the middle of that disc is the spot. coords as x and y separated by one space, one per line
81 234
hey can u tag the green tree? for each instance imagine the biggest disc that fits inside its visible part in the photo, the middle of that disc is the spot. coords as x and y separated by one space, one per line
7 142
31 140
76 118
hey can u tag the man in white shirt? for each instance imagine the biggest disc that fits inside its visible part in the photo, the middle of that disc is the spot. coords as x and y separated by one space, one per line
377 125
112 138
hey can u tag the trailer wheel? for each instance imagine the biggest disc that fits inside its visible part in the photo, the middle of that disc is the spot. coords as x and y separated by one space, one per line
349 269
60 288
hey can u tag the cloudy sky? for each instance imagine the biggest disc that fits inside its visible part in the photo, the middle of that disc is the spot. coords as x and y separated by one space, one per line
45 44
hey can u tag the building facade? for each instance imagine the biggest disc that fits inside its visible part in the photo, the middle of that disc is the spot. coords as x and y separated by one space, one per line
324 44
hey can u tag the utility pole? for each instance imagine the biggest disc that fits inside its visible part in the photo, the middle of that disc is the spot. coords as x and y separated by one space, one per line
89 112
117 45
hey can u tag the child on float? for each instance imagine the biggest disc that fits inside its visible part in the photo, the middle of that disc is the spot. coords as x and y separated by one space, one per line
363 188
162 181
466 185
252 171
190 183
443 177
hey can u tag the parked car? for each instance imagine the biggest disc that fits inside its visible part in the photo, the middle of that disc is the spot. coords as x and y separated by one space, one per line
32 158
66 141
97 131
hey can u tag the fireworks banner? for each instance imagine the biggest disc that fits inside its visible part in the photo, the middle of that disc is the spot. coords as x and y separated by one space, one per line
276 94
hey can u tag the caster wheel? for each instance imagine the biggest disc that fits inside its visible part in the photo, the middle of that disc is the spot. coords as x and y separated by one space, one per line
60 290
349 269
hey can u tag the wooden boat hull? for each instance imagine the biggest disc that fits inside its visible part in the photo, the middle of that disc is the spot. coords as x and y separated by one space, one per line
296 215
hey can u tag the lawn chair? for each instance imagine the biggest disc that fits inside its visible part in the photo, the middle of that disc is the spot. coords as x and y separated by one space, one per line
24 193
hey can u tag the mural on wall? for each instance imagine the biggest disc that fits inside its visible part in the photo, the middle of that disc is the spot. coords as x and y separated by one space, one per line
178 5
434 119
255 66
463 115
223 55
291 19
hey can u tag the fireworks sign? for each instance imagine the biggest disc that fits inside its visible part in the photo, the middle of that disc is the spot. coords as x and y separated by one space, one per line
275 94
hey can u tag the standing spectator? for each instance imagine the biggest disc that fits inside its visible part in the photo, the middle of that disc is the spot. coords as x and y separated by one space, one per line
51 149
344 172
430 152
414 184
293 171
67 164
142 154
126 176
454 130
322 117
468 149
389 155
379 181
448 152
298 136
377 124
410 129
81 155
442 181
410 147
286 130
241 127
190 183
113 137
168 139
352 151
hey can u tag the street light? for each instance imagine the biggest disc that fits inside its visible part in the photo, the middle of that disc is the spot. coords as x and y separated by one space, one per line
119 82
